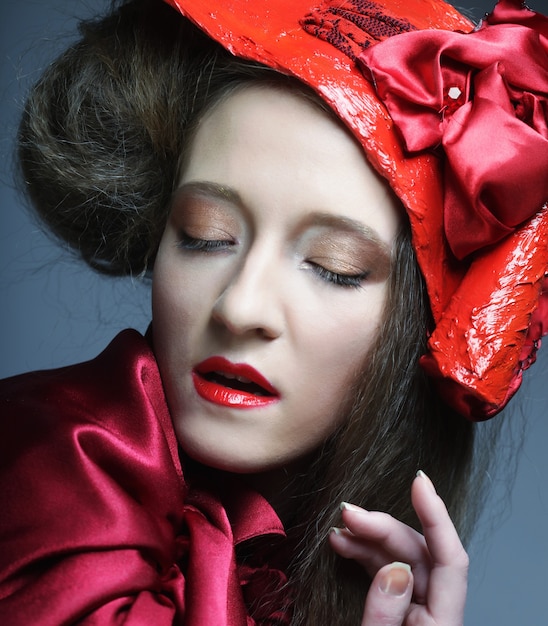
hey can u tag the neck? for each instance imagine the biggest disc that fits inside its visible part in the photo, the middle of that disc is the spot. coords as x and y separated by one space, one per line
283 488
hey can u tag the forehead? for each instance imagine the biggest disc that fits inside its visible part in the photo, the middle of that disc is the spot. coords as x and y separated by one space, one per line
284 155
251 112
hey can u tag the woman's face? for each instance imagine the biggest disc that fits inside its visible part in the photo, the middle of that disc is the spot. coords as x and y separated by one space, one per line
270 280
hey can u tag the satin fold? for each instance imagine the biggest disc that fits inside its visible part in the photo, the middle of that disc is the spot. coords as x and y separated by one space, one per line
99 524
483 98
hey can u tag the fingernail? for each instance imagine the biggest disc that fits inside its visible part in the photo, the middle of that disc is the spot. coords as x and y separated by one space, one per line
422 475
335 531
396 580
346 506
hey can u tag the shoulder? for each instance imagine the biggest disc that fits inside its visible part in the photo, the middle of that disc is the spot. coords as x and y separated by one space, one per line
108 375
91 487
89 435
116 397
115 390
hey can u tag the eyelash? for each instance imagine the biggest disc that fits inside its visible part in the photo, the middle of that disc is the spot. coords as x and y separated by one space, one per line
352 281
203 245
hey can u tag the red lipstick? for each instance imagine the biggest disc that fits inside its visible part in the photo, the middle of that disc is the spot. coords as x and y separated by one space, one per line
236 385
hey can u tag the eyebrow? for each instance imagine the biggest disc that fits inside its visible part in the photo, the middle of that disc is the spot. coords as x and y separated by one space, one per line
316 218
213 190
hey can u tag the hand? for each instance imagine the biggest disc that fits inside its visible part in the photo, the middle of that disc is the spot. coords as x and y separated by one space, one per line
432 592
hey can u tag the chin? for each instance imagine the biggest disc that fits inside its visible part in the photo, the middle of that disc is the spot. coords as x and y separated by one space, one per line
229 458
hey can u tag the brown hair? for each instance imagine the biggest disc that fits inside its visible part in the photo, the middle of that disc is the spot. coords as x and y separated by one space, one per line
100 145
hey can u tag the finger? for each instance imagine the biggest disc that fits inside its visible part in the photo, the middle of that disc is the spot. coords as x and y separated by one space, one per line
376 539
393 536
389 596
366 553
446 593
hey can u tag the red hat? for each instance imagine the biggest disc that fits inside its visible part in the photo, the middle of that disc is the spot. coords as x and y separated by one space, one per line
456 119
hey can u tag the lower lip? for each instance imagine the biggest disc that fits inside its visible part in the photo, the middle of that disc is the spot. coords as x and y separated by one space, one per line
224 396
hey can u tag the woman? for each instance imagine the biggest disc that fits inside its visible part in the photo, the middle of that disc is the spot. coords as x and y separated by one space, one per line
257 258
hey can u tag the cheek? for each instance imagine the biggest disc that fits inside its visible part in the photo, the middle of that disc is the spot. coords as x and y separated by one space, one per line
166 305
171 317
339 357
177 296
337 352
345 333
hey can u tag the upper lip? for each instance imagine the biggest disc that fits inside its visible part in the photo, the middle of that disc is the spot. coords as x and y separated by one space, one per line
242 371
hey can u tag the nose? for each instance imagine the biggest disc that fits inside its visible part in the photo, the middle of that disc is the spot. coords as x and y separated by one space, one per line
251 302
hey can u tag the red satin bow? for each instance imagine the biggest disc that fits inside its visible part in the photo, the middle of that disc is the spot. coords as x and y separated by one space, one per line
482 97
216 583
263 591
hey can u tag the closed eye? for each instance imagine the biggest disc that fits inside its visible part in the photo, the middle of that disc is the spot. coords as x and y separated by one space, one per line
203 245
342 280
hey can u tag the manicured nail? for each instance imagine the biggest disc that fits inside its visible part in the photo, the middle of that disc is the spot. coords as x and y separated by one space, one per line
346 506
422 475
396 580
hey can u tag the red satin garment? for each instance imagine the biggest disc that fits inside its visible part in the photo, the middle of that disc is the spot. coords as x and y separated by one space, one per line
98 524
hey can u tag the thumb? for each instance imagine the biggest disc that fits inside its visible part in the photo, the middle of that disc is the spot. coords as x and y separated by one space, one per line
389 596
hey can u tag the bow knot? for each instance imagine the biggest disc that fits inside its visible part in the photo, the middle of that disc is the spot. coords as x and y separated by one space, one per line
263 588
482 97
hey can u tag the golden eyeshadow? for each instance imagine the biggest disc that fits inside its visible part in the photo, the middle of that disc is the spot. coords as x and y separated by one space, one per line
349 253
203 217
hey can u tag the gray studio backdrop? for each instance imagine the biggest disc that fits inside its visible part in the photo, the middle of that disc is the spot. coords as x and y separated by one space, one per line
55 312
